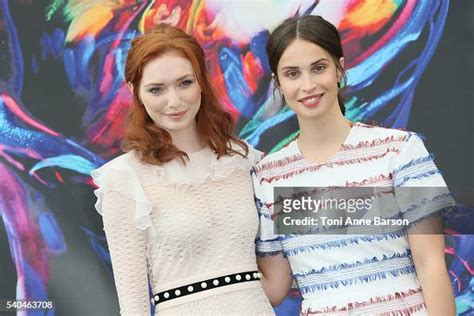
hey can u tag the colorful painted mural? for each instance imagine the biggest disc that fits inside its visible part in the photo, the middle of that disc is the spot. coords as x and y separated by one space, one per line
63 101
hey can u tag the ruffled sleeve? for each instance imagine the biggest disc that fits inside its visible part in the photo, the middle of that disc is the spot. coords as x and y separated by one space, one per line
127 224
120 175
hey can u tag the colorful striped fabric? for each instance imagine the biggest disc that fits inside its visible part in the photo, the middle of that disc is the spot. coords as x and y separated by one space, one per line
351 274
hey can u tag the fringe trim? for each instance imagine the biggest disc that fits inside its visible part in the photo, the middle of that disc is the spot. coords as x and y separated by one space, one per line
413 162
353 307
344 147
344 242
336 163
407 311
335 267
270 247
417 177
371 181
277 163
264 215
262 212
366 278
426 201
400 179
267 254
278 239
376 142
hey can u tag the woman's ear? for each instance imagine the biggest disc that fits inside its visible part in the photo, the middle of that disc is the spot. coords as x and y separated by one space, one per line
130 87
341 62
339 72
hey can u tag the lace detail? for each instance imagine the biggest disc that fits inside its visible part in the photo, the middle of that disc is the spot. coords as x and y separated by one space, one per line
127 175
201 167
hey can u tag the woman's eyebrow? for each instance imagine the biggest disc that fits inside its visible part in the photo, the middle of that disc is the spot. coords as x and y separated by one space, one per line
312 64
161 84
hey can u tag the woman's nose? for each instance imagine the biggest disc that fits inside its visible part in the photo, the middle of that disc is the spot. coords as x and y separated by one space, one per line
173 98
308 83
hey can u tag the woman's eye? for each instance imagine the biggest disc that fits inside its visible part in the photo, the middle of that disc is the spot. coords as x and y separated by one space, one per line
186 83
291 74
319 68
155 90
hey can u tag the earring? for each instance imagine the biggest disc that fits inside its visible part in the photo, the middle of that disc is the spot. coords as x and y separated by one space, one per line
275 80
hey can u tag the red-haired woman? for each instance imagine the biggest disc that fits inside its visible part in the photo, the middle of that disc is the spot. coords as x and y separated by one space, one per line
178 207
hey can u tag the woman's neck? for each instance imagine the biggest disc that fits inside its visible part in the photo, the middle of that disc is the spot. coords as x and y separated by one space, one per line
187 140
320 138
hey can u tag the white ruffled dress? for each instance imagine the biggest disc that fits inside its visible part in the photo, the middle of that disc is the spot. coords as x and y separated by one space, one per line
179 224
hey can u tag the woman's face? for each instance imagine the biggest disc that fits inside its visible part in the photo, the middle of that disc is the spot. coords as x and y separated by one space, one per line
170 92
308 78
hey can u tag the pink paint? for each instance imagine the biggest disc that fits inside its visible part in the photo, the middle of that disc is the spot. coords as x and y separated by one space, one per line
15 108
8 158
107 73
25 240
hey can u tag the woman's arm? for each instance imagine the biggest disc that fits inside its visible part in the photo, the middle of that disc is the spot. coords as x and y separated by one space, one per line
127 246
430 265
418 182
276 277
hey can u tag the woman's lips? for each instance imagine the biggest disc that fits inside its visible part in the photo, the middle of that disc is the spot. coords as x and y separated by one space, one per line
311 101
177 115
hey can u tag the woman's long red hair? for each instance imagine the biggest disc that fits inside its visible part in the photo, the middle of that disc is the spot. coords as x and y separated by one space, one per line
152 143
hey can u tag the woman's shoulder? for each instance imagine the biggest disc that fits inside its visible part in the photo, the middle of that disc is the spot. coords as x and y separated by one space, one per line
243 160
279 158
125 167
127 175
367 135
375 131
119 165
129 158
254 155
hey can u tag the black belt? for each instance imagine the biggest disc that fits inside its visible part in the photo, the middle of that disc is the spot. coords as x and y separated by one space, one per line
205 285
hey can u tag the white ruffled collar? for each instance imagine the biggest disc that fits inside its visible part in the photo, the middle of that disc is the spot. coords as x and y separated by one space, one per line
202 166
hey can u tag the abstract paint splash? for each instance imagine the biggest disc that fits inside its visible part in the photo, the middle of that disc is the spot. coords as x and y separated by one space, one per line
387 44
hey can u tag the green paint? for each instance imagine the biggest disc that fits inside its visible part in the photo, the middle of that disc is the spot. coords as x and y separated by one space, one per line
53 8
284 142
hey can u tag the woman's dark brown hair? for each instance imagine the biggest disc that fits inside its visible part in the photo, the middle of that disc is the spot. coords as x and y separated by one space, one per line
215 126
313 29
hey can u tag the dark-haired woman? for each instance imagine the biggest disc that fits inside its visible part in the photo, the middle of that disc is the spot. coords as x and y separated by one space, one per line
178 207
400 273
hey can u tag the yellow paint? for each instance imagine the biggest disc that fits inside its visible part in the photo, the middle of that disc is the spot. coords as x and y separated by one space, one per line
148 11
197 6
370 12
91 21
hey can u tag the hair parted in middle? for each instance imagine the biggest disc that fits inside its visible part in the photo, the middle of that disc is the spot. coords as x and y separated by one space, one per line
311 28
215 125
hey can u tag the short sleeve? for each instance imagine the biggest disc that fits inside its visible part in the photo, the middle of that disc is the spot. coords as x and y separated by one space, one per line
420 190
267 243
